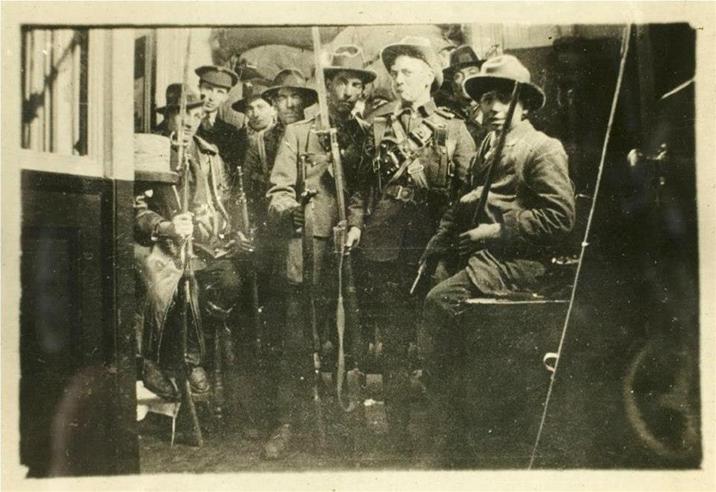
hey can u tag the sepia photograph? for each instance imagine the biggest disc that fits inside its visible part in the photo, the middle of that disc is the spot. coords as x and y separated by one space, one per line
281 239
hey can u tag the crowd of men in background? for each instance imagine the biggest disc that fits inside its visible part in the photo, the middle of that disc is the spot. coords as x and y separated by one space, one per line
415 169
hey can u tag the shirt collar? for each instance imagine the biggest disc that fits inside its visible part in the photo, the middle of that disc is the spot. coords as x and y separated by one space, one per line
424 110
517 132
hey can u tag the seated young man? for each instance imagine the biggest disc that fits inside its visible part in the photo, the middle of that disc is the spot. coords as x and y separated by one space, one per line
529 210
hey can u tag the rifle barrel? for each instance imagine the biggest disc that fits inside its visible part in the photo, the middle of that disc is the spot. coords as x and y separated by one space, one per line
496 156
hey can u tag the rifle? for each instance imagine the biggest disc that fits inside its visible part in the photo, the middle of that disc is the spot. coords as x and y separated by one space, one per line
309 291
245 225
481 207
345 271
187 252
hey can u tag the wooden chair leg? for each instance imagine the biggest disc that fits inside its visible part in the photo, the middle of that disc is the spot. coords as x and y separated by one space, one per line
219 399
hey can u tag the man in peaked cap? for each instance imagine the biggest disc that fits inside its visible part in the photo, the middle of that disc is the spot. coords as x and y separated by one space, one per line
421 155
215 82
464 63
160 223
530 210
346 79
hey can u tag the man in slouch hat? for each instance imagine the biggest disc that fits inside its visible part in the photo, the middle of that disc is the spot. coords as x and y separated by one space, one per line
303 151
529 211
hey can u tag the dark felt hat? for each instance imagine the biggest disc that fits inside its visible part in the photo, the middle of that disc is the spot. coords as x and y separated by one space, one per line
415 47
349 58
218 76
291 78
500 73
253 89
462 57
173 98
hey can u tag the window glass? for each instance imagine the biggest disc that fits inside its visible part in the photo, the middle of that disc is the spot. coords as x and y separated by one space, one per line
55 90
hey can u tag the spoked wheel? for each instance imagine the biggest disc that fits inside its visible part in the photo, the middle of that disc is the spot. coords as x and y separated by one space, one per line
661 400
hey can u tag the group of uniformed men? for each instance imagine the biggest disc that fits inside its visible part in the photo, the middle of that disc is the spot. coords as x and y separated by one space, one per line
414 172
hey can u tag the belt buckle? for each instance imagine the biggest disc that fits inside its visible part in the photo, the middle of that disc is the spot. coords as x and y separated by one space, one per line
403 193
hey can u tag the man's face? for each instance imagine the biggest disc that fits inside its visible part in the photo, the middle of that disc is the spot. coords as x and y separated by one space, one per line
458 78
260 113
494 106
212 95
289 105
192 120
344 90
411 78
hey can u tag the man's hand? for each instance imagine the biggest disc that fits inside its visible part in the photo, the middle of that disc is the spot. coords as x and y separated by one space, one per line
474 239
298 217
243 244
180 227
353 237
471 197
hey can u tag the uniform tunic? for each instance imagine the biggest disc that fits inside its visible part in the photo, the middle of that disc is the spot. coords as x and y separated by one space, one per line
230 140
301 139
403 217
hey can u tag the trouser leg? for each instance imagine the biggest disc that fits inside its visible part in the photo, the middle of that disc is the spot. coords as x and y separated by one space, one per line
441 342
391 310
296 371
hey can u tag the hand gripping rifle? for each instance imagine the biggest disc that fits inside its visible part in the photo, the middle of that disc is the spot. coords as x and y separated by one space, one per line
481 207
345 272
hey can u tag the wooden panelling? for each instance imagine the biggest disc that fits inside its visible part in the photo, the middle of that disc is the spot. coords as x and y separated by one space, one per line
77 365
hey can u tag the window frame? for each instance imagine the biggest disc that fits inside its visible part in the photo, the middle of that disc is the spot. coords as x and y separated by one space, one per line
109 122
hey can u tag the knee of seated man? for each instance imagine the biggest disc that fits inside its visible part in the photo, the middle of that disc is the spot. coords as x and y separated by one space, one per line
438 298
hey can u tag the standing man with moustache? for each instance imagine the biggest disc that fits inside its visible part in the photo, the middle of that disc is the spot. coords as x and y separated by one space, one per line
302 146
421 155
530 210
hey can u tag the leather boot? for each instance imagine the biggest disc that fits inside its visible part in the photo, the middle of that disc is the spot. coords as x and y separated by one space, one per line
397 410
279 443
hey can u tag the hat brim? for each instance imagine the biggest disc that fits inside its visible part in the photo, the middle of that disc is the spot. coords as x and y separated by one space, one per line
449 71
310 94
169 107
248 73
392 51
367 76
242 104
532 97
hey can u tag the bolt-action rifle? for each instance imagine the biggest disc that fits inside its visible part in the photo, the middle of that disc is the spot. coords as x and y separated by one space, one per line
346 283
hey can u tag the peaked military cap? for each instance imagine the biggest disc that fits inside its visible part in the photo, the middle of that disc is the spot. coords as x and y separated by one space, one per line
218 76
